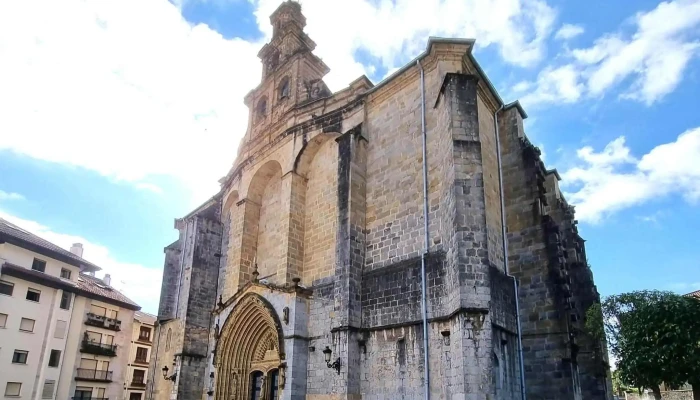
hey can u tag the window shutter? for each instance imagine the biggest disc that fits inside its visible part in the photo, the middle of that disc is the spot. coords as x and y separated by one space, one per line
47 393
26 325
60 331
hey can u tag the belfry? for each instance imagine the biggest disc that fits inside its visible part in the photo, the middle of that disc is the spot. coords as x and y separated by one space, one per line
390 241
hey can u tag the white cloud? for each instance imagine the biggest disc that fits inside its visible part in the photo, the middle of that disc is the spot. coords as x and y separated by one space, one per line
10 196
653 59
568 31
139 283
522 86
133 91
613 179
556 84
149 187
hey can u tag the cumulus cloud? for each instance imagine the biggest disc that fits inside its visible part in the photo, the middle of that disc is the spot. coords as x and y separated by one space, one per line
133 91
136 281
613 179
653 59
568 31
10 196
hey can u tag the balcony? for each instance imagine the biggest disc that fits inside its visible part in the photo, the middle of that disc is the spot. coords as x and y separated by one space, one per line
100 349
138 384
103 322
141 361
144 339
95 375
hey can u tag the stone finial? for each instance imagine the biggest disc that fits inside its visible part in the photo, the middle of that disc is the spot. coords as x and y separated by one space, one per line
221 302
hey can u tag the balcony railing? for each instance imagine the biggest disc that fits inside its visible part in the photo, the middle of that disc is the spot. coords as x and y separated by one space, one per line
84 374
138 384
99 348
141 361
144 339
103 322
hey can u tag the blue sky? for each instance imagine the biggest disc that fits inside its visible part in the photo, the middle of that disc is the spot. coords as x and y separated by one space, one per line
117 117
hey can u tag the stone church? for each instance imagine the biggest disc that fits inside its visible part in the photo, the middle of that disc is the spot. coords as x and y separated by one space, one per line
398 240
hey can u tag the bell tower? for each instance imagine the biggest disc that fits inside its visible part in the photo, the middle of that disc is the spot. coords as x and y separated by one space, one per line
291 74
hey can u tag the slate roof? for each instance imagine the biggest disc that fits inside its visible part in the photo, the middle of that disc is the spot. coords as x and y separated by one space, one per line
12 233
97 287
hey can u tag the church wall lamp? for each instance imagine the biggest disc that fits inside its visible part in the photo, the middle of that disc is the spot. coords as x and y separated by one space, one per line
336 364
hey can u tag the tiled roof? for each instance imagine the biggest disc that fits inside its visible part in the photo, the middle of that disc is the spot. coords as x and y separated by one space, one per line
694 294
145 318
97 287
14 234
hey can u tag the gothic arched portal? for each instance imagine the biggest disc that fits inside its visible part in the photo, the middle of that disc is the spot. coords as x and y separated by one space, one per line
250 352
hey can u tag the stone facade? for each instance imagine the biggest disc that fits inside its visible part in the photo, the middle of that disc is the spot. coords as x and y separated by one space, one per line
316 240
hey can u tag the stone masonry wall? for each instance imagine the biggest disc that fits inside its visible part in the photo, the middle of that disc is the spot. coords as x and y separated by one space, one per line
171 276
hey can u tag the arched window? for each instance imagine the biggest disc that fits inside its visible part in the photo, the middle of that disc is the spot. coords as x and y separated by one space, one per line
273 386
261 109
284 88
257 381
167 339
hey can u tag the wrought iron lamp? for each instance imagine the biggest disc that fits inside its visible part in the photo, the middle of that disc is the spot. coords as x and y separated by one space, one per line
336 364
166 376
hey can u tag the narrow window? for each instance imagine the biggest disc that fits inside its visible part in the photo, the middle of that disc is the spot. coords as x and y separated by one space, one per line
82 392
138 377
65 273
60 330
33 295
39 265
26 325
6 287
3 320
55 358
167 339
13 389
284 88
20 357
262 109
145 334
65 300
47 392
134 396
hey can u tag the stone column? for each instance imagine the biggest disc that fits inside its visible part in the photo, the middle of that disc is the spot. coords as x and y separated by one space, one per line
241 250
293 194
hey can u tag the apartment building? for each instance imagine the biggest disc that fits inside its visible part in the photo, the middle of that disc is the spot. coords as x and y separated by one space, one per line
139 356
64 333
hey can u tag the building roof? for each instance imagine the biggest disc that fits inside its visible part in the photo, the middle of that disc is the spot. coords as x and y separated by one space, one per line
97 287
11 233
694 294
145 318
87 286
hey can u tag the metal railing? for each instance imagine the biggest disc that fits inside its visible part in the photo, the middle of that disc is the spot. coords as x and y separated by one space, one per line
103 322
101 349
93 375
138 384
141 361
89 398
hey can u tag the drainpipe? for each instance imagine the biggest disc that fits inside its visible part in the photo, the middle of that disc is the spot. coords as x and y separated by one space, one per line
426 366
505 255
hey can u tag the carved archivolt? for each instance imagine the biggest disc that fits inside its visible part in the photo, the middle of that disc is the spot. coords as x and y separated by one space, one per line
250 341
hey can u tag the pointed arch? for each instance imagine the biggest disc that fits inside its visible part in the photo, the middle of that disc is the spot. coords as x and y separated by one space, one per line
251 340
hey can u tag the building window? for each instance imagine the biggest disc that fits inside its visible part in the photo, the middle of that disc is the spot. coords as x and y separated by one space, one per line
26 325
13 389
262 109
47 392
138 377
82 393
20 357
167 339
141 354
97 310
6 287
65 273
39 265
145 334
54 358
3 320
65 300
134 396
60 330
284 88
33 295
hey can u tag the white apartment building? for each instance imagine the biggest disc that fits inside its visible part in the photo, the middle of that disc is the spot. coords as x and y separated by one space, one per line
63 332
140 356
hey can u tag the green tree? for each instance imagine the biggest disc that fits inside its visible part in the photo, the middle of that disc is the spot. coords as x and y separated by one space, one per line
655 337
